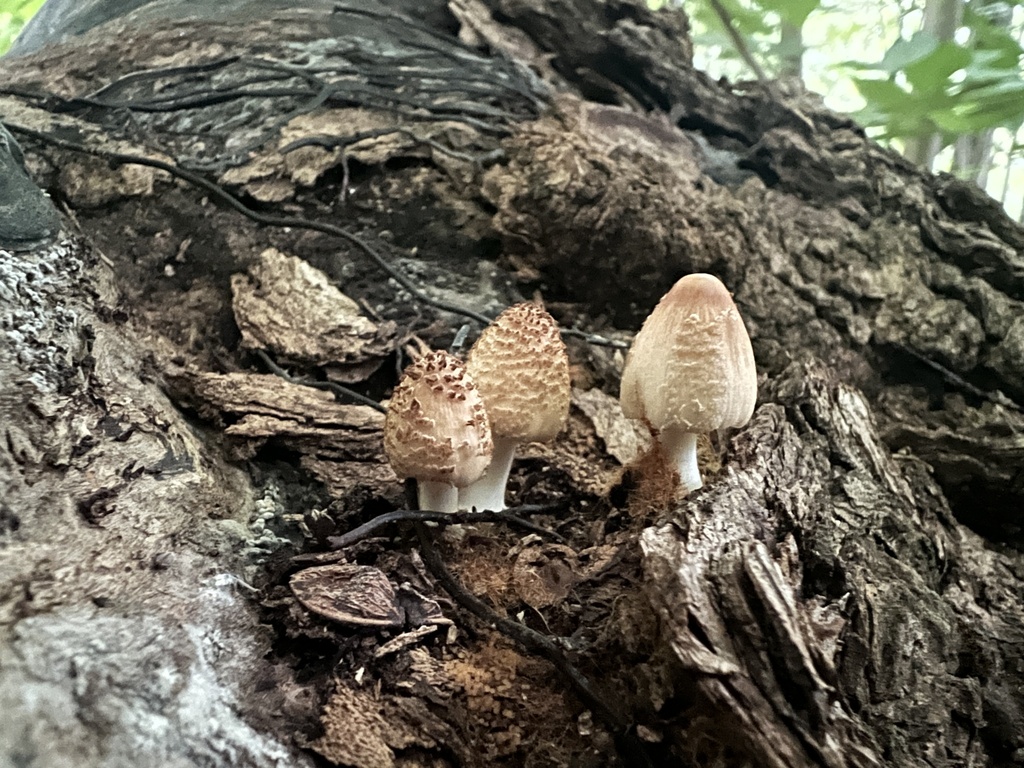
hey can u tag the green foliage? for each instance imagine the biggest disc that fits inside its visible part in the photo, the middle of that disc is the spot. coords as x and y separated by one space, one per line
794 12
756 23
923 85
13 15
907 85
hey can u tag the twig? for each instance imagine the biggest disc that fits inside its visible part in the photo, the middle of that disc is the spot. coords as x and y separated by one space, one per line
594 339
460 340
738 41
959 382
446 518
262 218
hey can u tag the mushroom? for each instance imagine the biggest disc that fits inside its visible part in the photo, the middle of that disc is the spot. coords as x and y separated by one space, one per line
690 371
436 430
520 366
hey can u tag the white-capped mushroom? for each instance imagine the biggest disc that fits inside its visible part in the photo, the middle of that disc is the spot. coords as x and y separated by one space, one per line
690 370
436 430
520 366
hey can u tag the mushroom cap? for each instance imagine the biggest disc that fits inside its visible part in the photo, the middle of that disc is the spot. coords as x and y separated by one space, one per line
691 366
436 428
521 368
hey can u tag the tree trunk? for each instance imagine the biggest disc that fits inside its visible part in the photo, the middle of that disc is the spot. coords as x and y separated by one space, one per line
973 154
792 49
941 20
185 576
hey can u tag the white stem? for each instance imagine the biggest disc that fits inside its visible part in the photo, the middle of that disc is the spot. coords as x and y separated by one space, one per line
489 491
681 448
437 497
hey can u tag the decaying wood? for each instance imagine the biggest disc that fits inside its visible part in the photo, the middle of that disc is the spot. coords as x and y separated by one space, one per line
341 445
286 307
116 634
909 284
845 591
823 578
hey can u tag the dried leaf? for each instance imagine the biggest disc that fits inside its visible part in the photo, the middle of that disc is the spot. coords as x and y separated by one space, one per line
357 595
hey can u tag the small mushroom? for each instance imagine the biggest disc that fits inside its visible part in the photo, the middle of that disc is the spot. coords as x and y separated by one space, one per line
690 371
521 368
436 430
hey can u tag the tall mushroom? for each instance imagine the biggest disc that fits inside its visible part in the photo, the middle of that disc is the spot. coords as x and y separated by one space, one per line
521 368
690 370
436 430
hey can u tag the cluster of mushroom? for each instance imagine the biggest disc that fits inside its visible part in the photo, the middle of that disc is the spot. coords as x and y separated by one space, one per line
455 426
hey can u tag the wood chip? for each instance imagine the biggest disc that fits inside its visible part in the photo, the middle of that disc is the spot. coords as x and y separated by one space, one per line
624 438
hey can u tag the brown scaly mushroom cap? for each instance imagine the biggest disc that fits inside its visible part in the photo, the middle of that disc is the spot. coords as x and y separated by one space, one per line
520 365
436 430
691 368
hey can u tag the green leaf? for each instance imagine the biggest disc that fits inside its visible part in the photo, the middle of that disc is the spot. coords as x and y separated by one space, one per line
1008 89
990 37
793 11
1009 115
881 94
990 65
903 53
930 73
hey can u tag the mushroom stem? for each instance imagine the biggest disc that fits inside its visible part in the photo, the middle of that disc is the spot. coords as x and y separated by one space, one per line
681 448
437 497
489 491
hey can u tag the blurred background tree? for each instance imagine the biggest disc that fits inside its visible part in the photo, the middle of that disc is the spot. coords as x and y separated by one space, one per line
939 80
13 15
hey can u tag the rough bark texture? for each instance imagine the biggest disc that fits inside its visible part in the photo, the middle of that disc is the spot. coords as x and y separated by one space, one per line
845 590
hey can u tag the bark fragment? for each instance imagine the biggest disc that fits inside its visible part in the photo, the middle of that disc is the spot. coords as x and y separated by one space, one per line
286 307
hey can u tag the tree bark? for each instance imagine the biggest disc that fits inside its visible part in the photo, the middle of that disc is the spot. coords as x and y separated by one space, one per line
844 591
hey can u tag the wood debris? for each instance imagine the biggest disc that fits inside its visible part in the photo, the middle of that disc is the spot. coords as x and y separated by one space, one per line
293 311
340 444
